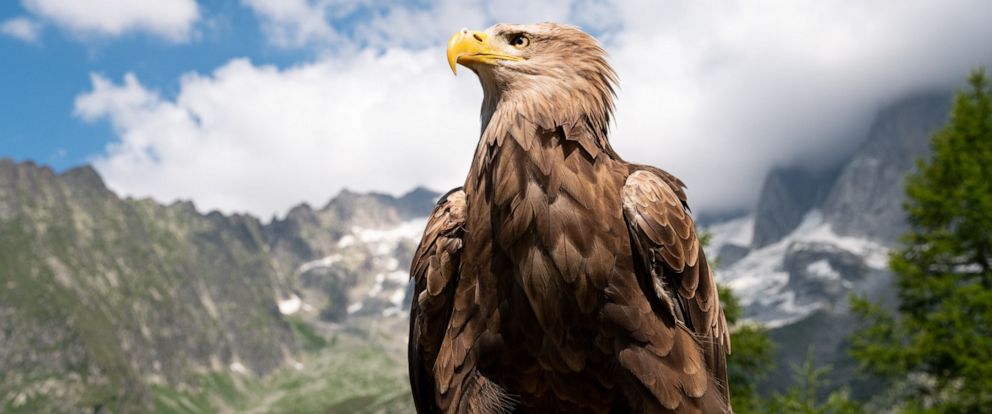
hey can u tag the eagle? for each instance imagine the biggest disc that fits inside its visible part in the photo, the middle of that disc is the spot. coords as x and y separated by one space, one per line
560 278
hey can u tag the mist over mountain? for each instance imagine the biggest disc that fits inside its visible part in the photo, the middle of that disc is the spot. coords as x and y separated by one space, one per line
816 237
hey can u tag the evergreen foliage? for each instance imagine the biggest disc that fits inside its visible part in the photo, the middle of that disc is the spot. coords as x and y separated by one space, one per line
803 398
751 358
940 342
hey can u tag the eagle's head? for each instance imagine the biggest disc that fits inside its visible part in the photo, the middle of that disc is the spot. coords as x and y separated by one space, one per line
544 67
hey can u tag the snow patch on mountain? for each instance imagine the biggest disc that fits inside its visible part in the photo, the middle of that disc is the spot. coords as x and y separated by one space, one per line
770 290
821 269
325 262
354 307
383 240
239 368
291 305
737 231
376 251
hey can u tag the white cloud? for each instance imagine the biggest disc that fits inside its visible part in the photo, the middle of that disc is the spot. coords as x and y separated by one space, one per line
391 23
718 92
294 23
170 19
262 139
22 28
715 92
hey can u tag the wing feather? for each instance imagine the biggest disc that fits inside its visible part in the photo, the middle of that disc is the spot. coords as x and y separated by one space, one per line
664 235
434 273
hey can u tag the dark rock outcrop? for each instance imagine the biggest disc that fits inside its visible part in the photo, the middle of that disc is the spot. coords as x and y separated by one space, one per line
822 272
787 195
731 253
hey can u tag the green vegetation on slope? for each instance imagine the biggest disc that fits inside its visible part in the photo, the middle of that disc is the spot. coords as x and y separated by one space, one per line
122 305
940 343
103 297
347 376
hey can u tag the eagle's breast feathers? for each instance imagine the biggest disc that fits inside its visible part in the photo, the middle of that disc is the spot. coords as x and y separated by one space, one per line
561 278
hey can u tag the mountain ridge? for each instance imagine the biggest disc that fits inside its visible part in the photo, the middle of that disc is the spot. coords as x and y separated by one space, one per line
820 237
108 299
129 304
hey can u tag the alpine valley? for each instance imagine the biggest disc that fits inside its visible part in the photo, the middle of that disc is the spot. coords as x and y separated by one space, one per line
111 304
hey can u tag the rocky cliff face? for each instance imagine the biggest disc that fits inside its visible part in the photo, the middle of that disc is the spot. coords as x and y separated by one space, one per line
853 209
817 238
862 196
786 196
868 196
108 301
120 293
307 234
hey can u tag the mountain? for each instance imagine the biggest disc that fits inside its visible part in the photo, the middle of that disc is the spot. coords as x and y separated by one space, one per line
867 199
125 305
114 304
817 237
786 196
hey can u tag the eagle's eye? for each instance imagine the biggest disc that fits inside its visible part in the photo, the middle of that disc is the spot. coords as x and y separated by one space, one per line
519 41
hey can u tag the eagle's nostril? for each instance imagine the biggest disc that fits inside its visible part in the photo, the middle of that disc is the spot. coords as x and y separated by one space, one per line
477 37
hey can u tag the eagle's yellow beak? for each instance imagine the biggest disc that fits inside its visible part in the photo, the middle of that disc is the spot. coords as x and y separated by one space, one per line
468 46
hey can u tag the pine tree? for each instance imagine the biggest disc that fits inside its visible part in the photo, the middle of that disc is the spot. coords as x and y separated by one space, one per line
941 339
751 361
803 397
751 358
752 353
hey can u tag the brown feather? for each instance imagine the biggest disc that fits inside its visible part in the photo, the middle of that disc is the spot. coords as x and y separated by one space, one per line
562 279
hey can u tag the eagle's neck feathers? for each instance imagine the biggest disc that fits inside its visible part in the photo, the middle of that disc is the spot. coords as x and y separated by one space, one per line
529 115
543 104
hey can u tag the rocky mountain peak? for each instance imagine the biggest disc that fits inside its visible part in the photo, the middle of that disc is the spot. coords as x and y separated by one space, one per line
868 195
786 196
819 237
419 202
84 176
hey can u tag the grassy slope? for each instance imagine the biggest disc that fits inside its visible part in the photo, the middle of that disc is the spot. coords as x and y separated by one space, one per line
344 375
101 297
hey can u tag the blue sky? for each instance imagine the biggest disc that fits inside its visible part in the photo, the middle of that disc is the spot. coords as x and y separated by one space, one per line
42 78
257 105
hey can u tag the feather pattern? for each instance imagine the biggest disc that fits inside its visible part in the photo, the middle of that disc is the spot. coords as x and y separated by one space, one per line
562 278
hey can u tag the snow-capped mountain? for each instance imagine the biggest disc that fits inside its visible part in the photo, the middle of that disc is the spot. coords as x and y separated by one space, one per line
810 268
816 237
108 297
371 268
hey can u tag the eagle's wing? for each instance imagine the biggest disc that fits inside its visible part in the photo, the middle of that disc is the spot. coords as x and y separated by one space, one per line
664 236
435 272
